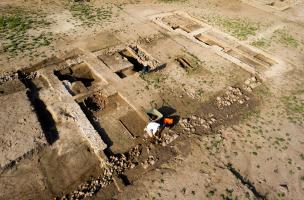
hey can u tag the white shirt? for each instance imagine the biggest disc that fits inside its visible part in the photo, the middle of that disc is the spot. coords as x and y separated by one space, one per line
152 128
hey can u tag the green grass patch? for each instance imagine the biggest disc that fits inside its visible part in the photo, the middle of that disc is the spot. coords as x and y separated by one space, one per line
294 106
261 43
90 15
238 27
17 27
281 36
284 37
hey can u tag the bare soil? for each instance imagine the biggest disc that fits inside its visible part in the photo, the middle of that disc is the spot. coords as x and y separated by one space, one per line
77 78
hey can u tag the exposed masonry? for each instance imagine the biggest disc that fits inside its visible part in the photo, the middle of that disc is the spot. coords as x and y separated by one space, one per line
124 169
128 60
64 86
248 57
64 110
60 103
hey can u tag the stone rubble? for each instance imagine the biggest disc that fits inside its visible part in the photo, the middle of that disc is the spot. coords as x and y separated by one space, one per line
8 77
167 138
144 58
235 95
231 96
192 123
119 164
135 152
251 83
91 187
149 162
73 61
116 165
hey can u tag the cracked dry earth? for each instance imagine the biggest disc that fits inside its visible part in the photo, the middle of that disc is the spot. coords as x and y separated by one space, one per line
77 78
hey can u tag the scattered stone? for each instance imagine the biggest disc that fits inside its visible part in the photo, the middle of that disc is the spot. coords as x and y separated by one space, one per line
8 77
150 161
73 61
251 84
231 96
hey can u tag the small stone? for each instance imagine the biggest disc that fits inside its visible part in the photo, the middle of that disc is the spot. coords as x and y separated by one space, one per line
152 162
202 121
185 121
193 117
241 101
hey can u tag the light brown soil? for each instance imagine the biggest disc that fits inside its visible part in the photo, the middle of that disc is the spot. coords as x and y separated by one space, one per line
251 149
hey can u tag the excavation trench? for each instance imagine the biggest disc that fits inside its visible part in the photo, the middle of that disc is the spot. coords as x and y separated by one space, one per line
131 166
90 116
45 118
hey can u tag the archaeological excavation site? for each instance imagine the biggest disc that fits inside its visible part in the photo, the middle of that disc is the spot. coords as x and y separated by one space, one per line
152 99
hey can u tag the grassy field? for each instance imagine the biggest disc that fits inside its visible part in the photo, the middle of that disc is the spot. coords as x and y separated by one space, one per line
19 31
280 36
90 15
237 27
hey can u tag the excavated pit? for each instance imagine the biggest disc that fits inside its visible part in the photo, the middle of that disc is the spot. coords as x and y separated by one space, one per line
131 60
180 22
120 123
84 96
246 56
77 79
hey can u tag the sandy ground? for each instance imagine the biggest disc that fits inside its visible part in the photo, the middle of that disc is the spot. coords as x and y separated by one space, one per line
256 156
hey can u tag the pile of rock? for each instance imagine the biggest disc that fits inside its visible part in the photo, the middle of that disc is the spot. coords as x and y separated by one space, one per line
89 188
148 162
135 152
8 77
191 124
120 164
232 95
251 84
117 164
73 61
168 137
143 56
186 125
